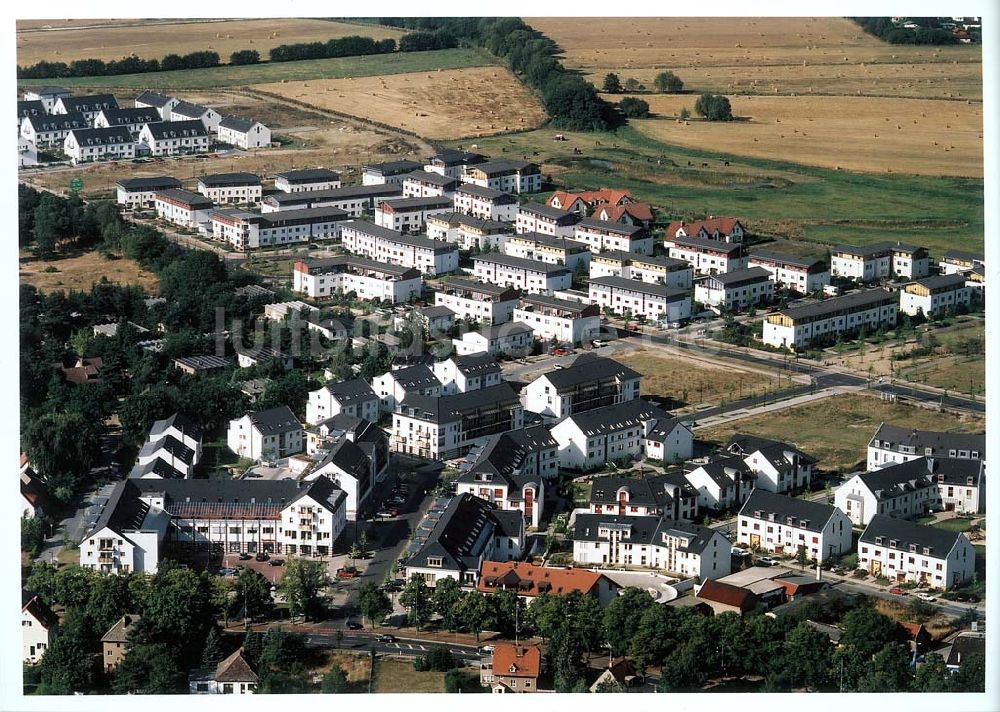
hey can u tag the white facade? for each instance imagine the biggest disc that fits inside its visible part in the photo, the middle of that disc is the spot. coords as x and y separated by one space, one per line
258 442
528 275
86 145
488 205
544 220
455 379
798 327
593 438
655 302
525 494
776 534
560 320
138 193
47 131
602 236
484 303
514 339
392 386
933 295
708 256
409 214
233 192
37 632
880 261
907 558
171 140
800 275
721 484
369 280
468 232
508 176
181 212
735 290
388 246
550 250
328 402
306 180
257 135
209 118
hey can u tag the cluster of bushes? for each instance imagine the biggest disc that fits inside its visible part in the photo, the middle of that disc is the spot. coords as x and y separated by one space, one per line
351 46
713 107
929 33
128 65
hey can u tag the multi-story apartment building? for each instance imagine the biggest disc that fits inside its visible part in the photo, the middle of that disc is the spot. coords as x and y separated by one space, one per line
461 373
799 327
452 163
46 130
172 138
560 320
902 490
778 466
388 173
394 385
477 301
184 111
655 496
145 519
485 203
708 256
613 433
723 229
549 249
883 260
356 200
654 269
366 278
932 295
602 236
39 626
162 103
786 525
530 276
510 176
589 382
306 179
112 144
903 551
391 247
182 207
246 230
545 220
804 275
410 214
134 193
723 483
424 184
954 261
90 105
243 133
231 188
736 290
655 302
354 397
469 232
131 119
47 95
512 339
894 443
266 434
443 427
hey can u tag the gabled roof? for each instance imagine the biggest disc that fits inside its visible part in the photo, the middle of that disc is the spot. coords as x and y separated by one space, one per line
90 102
866 298
309 175
642 212
964 646
33 107
393 168
507 329
555 242
348 457
941 443
227 179
697 537
172 446
140 115
176 129
158 467
471 221
517 660
404 204
776 452
805 514
521 263
178 420
728 595
193 111
641 491
531 580
275 420
235 668
615 227
152 98
587 368
102 137
449 408
610 419
707 243
741 276
498 196
457 537
350 192
723 470
151 183
238 124
476 364
437 179
57 122
504 165
351 390
118 633
453 157
905 533
560 216
634 285
635 530
413 378
40 612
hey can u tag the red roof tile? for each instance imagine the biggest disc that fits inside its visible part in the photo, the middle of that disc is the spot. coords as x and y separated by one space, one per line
728 595
517 660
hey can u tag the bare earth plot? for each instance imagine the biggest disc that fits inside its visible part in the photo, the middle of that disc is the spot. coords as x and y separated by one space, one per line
81 272
837 430
440 104
925 137
155 40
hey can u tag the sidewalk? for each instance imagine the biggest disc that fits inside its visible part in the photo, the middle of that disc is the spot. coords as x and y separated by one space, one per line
716 420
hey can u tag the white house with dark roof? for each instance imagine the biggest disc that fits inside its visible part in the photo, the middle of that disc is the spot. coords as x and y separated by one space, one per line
232 676
48 130
736 290
932 295
957 261
182 207
410 214
247 230
707 256
356 200
162 103
722 483
655 302
424 184
39 626
131 119
529 275
612 433
779 524
390 172
244 133
366 278
778 466
560 320
485 203
549 249
136 193
479 301
893 443
184 111
306 179
451 163
469 372
392 247
257 355
903 551
110 144
353 397
394 385
511 176
883 260
172 138
798 327
171 451
669 440
545 220
587 383
602 236
28 108
47 95
512 339
468 232
804 275
654 269
266 434
231 188
346 464
90 105
651 496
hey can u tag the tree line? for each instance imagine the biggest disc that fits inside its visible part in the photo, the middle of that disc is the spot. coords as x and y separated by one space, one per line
929 32
128 65
352 46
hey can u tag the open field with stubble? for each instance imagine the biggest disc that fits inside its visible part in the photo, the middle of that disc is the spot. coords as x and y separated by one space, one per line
110 39
925 137
837 430
82 271
435 104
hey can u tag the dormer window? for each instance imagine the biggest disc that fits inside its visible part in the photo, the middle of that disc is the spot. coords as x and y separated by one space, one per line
893 543
878 540
434 561
913 548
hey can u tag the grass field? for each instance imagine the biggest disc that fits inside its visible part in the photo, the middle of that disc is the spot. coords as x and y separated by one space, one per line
82 271
356 667
770 196
764 55
837 430
430 104
396 675
154 40
925 137
305 70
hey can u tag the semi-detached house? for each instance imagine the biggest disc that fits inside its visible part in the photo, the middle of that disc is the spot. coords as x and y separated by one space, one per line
136 193
90 106
172 138
656 302
131 119
667 495
779 524
736 290
804 275
368 279
353 397
707 256
184 111
931 296
482 302
778 466
485 203
231 188
111 144
452 163
894 443
355 199
247 230
392 247
388 173
529 275
162 103
394 385
722 483
512 339
883 260
422 184
905 552
559 319
589 382
266 434
243 133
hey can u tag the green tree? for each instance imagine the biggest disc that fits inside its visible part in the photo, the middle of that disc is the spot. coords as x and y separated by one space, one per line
212 654
32 535
713 107
42 581
302 586
634 108
52 224
334 681
69 664
889 671
933 675
668 83
374 603
253 597
445 599
73 586
507 606
808 657
280 666
109 598
971 676
178 610
685 113
62 447
477 613
612 85
417 600
149 669
682 671
632 84
623 615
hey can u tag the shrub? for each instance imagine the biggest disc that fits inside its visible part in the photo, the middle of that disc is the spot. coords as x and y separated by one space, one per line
634 108
245 56
668 83
713 107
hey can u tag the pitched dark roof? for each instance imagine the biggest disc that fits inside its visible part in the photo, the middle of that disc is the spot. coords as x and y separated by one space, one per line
601 421
787 258
90 102
741 276
178 420
413 378
275 420
176 449
432 178
707 243
203 363
942 281
41 612
118 633
393 168
505 165
347 456
58 122
941 443
453 157
471 221
904 533
351 390
587 368
158 467
350 192
177 129
697 537
876 248
522 264
34 107
428 203
153 98
811 516
148 184
445 409
498 196
309 175
457 537
963 646
641 491
635 530
634 285
619 228
503 455
507 329
719 470
186 108
140 115
476 364
864 299
776 451
553 241
102 137
226 179
236 123
235 668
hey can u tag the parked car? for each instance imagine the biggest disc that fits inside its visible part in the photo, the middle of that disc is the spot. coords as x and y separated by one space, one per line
926 597
244 556
354 625
897 591
277 562
766 561
558 351
598 343
387 514
261 556
348 572
385 638
486 649
737 551
227 571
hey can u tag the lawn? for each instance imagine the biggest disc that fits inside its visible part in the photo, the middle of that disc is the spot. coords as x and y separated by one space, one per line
227 76
397 675
355 665
81 271
837 430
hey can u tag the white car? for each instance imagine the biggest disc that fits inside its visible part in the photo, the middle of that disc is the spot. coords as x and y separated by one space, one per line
486 649
598 343
740 552
766 561
926 597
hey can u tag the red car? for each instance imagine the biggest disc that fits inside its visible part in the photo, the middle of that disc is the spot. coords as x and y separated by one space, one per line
348 573
897 591
559 352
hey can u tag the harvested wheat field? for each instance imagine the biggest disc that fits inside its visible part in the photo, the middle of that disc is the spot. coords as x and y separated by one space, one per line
82 271
155 40
780 54
451 104
918 136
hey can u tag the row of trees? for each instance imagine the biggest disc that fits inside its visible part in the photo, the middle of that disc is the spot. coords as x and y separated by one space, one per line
351 46
929 32
129 65
665 83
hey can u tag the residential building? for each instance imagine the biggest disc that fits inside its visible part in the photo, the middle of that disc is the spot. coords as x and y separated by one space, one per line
355 199
281 311
654 542
434 321
485 203
651 496
231 188
963 646
162 103
232 676
726 598
724 483
443 427
632 213
27 153
481 302
389 173
243 133
657 269
423 184
932 296
468 232
778 466
394 385
459 374
559 319
736 290
708 256
589 382
353 397
510 176
90 105
722 229
172 138
184 111
177 456
368 279
903 551
802 326
182 207
131 119
955 261
452 163
601 236
266 434
894 443
786 525
391 247
202 364
655 302
530 580
542 219
620 675
86 145
46 131
670 441
883 260
513 339
347 464
115 642
47 95
136 193
512 668
39 626
29 108
409 214
257 355
35 499
803 275
549 249
529 275
307 179
247 230
469 531
585 202
614 433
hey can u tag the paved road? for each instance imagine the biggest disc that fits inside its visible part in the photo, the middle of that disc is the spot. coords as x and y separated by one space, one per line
365 640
